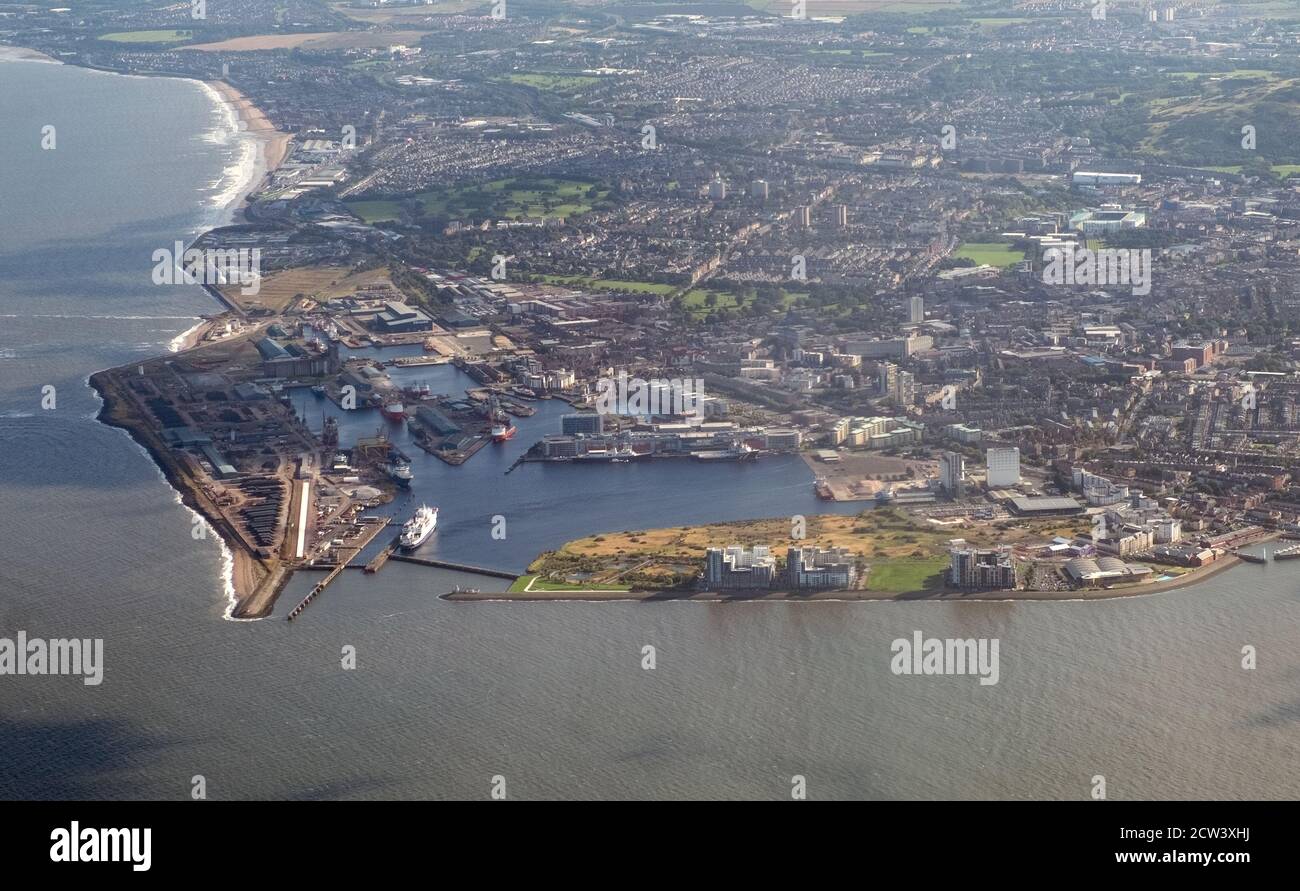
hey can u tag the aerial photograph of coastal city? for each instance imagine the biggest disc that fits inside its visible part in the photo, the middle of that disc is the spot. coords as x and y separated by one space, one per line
677 400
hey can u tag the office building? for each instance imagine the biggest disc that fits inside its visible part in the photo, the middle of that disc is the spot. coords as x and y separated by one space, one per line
952 473
585 423
1003 467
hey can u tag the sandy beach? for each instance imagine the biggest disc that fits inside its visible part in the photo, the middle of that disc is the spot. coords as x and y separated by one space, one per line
25 54
275 144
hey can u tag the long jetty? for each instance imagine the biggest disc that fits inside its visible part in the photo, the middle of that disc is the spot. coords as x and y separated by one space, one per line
319 587
462 567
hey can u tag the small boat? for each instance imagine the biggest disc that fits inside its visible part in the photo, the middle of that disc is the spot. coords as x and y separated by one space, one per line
318 390
400 472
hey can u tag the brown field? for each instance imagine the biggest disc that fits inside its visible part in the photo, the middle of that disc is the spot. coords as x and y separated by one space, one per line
885 532
327 40
322 282
411 15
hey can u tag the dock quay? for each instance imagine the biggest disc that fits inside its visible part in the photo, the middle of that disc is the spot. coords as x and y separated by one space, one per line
371 527
417 361
345 555
462 567
381 558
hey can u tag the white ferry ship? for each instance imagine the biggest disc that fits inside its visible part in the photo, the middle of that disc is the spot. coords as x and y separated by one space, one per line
419 527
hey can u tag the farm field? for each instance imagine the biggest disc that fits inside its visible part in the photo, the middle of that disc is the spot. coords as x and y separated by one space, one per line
163 36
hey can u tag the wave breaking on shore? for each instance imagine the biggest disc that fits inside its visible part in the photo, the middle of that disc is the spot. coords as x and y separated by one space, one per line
242 172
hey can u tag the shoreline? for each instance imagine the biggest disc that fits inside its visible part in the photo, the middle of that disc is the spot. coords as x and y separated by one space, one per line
1079 595
11 53
1194 577
250 586
273 143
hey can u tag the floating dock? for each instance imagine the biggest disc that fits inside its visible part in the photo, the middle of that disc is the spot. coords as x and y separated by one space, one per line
1251 558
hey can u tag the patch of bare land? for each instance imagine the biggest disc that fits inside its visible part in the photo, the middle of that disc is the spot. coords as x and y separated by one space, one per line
858 476
324 40
23 53
410 16
280 289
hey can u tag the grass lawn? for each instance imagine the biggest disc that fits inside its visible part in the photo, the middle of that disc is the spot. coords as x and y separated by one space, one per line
556 83
521 585
379 211
901 576
513 198
696 300
990 253
609 284
167 36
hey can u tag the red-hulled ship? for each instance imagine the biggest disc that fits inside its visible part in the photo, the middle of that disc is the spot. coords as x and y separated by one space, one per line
503 430
394 411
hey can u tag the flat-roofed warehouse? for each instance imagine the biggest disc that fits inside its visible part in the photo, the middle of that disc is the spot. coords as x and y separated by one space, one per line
1049 506
399 318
